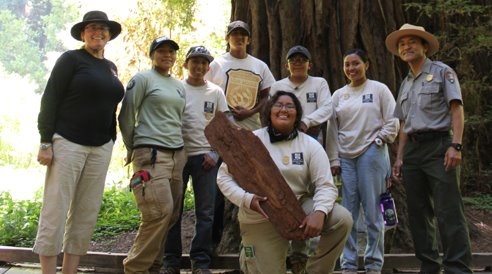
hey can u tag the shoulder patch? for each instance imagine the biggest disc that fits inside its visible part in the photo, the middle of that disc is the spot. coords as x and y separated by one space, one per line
130 84
450 77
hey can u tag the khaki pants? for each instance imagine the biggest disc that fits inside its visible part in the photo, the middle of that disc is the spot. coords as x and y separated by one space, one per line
158 203
264 251
72 197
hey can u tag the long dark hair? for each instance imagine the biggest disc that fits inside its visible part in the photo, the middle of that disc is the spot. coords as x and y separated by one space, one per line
267 121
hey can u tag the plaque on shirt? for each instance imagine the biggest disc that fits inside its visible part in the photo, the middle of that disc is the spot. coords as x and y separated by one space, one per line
242 88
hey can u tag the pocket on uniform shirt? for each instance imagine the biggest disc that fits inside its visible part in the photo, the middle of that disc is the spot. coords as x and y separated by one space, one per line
430 97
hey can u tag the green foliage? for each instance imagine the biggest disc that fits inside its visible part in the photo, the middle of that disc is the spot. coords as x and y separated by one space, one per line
19 52
118 213
175 19
18 221
61 12
9 155
481 201
28 30
189 199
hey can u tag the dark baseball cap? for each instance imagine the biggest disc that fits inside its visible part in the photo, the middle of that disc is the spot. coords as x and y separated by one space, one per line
298 50
238 24
199 51
162 40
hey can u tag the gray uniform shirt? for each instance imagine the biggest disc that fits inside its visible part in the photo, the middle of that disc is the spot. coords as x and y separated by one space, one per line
423 100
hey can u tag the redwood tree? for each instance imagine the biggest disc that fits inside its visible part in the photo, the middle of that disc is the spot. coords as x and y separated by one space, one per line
328 28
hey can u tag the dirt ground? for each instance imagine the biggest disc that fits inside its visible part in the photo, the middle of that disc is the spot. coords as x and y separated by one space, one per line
123 242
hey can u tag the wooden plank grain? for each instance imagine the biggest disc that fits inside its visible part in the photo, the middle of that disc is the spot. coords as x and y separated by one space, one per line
250 164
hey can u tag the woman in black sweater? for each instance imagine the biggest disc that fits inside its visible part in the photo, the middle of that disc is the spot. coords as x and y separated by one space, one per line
77 124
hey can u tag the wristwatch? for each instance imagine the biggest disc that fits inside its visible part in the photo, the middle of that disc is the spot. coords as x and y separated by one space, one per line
456 146
378 141
45 146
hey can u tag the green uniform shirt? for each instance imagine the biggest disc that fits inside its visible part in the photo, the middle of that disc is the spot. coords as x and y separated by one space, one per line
151 113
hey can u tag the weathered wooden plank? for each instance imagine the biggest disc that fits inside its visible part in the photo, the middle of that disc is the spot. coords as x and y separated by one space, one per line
254 170
113 262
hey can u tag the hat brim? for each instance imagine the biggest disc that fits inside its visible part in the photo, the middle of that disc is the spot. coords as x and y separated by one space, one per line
231 30
298 52
114 28
393 38
208 57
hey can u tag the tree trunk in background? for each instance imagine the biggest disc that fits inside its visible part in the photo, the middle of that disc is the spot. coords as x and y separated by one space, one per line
328 28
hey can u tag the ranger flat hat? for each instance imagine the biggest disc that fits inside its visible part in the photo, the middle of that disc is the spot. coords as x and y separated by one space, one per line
411 30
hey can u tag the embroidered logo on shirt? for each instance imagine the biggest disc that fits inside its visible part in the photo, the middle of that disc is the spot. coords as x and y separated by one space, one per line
115 74
297 158
367 98
208 107
450 77
311 97
208 110
130 84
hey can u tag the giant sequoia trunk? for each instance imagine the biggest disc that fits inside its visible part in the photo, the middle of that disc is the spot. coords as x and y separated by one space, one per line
328 28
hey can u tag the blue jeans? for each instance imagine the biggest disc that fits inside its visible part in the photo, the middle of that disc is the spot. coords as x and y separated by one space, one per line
204 188
364 180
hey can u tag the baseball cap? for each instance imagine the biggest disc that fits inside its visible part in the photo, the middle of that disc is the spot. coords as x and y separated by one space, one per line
162 40
299 49
238 24
199 51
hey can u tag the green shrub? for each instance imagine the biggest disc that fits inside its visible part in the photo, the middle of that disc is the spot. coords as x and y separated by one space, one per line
118 213
481 201
189 199
18 220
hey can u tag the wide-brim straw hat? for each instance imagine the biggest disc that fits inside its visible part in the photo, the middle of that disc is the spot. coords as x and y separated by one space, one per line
411 30
95 16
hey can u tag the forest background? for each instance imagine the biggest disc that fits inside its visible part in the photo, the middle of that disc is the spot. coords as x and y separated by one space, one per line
34 33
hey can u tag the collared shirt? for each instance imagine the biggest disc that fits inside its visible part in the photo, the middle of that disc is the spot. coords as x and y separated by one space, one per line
423 100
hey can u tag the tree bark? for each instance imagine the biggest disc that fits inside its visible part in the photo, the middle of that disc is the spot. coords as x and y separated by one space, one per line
328 28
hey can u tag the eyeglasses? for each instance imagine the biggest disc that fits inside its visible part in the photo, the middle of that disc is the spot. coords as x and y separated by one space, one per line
95 27
298 59
288 107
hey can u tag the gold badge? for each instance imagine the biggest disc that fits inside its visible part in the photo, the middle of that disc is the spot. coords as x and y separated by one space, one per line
285 160
429 77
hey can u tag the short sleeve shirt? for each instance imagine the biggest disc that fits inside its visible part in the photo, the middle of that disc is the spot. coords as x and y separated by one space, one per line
423 100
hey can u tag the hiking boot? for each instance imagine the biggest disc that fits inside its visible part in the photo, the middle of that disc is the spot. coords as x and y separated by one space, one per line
298 267
170 270
370 271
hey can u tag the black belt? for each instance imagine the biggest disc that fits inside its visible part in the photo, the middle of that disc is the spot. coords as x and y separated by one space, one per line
159 148
427 135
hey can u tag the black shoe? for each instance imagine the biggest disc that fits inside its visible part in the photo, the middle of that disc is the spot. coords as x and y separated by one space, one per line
170 270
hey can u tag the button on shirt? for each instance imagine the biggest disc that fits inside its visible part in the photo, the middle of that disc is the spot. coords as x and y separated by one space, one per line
423 100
